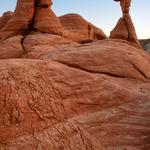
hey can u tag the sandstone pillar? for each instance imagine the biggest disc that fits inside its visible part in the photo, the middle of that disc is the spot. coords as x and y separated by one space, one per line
125 28
45 19
21 19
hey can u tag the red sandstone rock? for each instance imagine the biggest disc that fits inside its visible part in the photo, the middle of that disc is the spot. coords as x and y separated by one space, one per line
125 5
11 48
45 20
5 18
38 16
63 95
79 29
93 96
21 19
115 57
44 42
125 30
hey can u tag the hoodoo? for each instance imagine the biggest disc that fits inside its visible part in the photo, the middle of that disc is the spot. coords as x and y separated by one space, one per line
65 86
125 28
37 15
5 18
45 19
21 20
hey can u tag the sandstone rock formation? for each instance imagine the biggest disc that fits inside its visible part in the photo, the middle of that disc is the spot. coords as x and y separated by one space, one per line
5 18
45 20
125 28
59 94
11 48
93 96
125 6
37 15
79 29
21 20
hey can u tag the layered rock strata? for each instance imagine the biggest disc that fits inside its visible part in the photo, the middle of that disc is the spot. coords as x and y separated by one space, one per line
125 29
21 20
78 28
37 15
5 18
45 20
59 94
87 96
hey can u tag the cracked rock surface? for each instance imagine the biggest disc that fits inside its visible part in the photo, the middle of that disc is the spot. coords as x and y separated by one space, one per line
71 91
72 96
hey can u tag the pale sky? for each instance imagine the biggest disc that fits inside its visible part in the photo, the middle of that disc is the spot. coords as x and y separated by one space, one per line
102 13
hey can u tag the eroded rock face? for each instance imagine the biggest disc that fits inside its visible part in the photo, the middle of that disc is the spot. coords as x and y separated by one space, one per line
37 15
21 20
79 29
64 95
96 95
125 6
114 57
125 29
5 18
45 19
11 48
44 42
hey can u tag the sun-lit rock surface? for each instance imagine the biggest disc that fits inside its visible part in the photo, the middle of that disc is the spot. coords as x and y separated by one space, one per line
21 20
125 29
79 29
45 20
69 92
31 15
11 48
5 18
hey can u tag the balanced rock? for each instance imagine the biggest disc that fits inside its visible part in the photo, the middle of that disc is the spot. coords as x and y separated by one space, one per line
37 15
45 19
5 18
125 30
120 31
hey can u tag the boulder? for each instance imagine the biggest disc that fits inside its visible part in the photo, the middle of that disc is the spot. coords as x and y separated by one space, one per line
120 31
38 16
125 30
79 29
63 92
